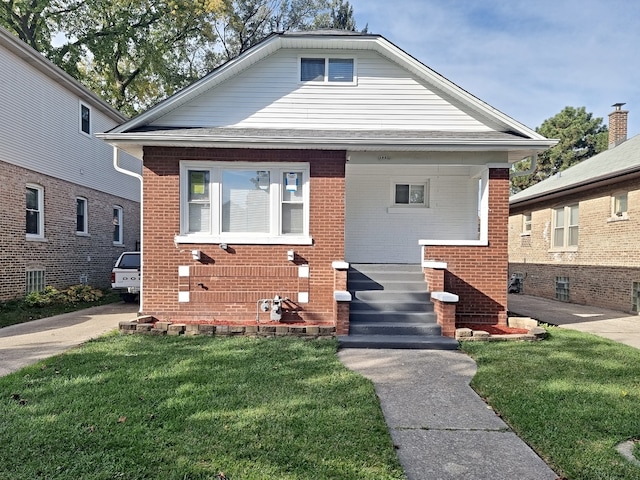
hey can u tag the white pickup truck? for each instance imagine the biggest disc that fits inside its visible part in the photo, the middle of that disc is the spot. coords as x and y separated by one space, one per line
125 276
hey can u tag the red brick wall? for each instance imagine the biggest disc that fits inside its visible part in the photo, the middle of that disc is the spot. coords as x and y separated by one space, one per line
478 275
234 280
65 256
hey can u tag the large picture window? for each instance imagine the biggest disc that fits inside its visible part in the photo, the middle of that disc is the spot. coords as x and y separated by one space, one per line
252 203
565 227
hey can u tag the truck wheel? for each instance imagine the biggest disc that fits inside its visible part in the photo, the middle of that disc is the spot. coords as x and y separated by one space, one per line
129 297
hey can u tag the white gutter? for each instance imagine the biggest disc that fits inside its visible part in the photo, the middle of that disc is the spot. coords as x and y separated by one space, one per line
116 161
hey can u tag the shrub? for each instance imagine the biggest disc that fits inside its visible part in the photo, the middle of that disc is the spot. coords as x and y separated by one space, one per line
82 293
49 296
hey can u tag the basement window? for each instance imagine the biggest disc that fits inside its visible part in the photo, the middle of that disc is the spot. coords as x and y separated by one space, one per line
635 297
34 281
562 289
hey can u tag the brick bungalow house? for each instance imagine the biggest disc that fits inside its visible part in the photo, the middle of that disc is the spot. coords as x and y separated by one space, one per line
311 151
66 213
574 236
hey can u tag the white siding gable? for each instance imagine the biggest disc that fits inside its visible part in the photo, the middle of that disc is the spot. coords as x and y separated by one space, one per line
40 131
269 94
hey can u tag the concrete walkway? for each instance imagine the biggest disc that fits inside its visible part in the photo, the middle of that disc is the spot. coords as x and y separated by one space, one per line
442 429
619 326
26 343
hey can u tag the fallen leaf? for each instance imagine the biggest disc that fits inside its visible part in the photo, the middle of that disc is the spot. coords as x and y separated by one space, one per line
122 419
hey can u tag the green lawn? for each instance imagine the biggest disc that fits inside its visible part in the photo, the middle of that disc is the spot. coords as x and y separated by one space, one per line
573 398
139 407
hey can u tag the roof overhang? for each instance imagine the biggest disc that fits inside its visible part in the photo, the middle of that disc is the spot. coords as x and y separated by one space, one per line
357 141
611 178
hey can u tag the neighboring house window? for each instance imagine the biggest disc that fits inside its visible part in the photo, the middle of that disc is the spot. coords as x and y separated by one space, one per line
82 222
117 225
562 289
85 119
565 227
635 297
410 194
619 205
35 211
327 70
35 281
526 223
257 203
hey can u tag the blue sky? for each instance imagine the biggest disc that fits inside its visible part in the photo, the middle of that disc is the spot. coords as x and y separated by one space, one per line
527 58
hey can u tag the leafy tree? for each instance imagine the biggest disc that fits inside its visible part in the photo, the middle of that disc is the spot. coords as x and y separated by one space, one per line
243 23
136 52
580 136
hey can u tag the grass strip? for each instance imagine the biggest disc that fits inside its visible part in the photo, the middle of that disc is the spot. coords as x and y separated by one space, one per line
573 398
140 407
13 312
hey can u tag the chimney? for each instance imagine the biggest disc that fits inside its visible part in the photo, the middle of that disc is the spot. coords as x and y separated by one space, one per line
617 125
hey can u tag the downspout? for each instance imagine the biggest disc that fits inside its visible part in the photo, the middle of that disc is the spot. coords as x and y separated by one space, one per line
116 160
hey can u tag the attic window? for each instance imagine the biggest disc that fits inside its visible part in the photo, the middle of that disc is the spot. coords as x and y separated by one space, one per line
327 70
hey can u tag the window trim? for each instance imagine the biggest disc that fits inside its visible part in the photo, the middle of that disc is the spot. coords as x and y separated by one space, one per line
327 60
40 233
405 207
119 224
526 223
621 215
566 227
81 123
85 213
215 233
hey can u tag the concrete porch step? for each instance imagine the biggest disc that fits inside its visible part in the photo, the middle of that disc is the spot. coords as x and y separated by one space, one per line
415 342
394 328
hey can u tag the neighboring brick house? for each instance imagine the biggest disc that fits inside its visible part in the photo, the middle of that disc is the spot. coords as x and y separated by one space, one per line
309 151
574 236
61 196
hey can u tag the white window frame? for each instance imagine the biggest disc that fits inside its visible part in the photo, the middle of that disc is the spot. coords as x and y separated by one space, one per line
526 223
403 207
85 215
327 60
80 126
118 220
566 227
39 235
214 234
617 213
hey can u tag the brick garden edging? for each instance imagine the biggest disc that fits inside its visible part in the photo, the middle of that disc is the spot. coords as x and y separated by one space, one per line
534 333
142 326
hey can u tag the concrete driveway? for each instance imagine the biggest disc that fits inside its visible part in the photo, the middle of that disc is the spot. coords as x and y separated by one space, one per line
27 343
618 326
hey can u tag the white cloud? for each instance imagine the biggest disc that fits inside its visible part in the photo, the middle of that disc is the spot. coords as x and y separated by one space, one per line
526 58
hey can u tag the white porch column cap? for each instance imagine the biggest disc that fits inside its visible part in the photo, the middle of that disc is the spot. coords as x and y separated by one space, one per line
435 265
340 265
445 297
342 296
